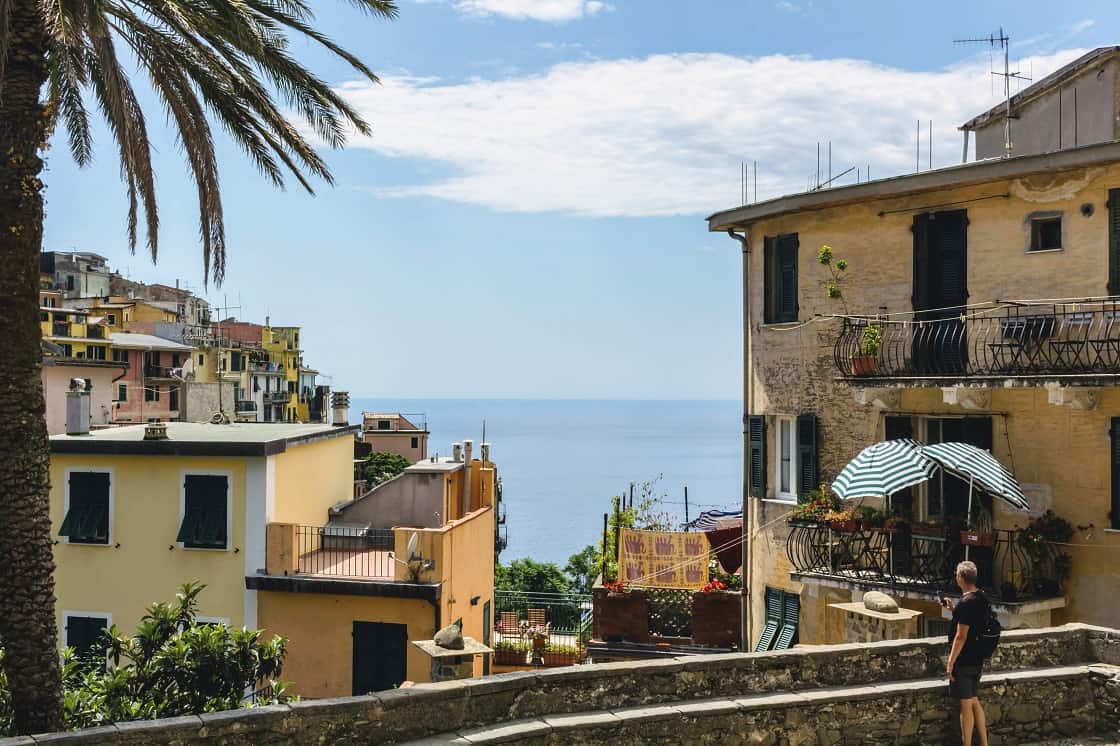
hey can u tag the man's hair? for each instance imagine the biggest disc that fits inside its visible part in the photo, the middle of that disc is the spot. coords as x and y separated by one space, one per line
967 571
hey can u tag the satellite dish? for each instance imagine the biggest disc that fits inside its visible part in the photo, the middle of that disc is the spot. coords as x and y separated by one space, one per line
413 546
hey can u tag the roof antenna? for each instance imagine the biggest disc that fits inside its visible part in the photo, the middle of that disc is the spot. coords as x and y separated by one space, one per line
1002 41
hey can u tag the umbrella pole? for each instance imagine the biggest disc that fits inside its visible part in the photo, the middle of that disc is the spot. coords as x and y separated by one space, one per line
968 517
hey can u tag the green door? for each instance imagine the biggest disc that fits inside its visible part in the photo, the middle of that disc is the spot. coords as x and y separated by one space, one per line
379 656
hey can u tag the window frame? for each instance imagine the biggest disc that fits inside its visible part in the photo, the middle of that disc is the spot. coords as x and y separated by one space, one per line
779 494
110 541
228 474
772 296
122 392
1034 232
63 637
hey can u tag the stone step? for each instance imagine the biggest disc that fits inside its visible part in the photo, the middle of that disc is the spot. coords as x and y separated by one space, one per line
1025 705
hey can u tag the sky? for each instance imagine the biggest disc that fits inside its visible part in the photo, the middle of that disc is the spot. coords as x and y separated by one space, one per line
526 219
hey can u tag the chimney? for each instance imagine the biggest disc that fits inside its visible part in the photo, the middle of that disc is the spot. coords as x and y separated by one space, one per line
485 448
340 408
456 452
77 408
468 446
155 431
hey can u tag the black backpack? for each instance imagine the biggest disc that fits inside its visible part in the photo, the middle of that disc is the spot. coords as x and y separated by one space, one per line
987 639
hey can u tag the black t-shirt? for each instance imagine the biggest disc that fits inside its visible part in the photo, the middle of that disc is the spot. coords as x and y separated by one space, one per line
972 610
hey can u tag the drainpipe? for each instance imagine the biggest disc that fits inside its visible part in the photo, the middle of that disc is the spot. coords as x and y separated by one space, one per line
748 392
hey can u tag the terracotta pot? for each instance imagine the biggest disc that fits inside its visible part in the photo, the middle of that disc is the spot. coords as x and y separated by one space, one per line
864 365
978 538
847 527
539 643
716 619
509 657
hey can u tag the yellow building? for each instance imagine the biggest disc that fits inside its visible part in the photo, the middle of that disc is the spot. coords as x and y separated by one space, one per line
391 567
137 517
946 329
262 514
281 343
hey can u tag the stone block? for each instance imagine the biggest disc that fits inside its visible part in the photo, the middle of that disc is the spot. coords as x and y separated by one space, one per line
1024 713
518 731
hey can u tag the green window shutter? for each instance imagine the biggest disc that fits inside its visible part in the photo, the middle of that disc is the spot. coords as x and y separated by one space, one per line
87 519
808 469
756 441
791 619
787 277
1114 241
204 513
773 619
1114 453
920 297
951 231
769 280
86 635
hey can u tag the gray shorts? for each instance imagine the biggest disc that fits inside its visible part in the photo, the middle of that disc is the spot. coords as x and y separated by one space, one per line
965 683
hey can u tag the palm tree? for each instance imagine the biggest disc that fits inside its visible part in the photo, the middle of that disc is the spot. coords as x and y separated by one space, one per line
223 61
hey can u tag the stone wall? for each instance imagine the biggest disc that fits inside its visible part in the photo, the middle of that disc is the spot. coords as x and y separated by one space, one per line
1059 680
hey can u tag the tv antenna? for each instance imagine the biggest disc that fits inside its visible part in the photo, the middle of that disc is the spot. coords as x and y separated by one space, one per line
1001 41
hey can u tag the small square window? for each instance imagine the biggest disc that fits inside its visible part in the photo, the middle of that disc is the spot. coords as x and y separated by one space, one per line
201 359
383 424
415 442
122 392
87 511
1046 234
205 512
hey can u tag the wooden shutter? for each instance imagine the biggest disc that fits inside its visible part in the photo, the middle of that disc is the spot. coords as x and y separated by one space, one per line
951 231
769 280
87 520
919 298
1114 241
787 277
1114 463
204 514
756 441
808 471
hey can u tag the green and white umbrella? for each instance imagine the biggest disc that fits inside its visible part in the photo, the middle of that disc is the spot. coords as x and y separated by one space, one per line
980 469
883 469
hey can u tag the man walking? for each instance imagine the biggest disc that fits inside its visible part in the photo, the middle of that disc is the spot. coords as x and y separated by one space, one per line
970 615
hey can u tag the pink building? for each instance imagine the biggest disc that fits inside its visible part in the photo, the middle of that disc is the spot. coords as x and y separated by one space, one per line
150 388
101 377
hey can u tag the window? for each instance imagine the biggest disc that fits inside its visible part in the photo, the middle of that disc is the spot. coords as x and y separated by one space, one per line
151 393
112 319
175 360
1114 459
88 502
67 350
787 459
235 362
1114 241
201 359
69 282
780 278
756 429
173 398
383 424
122 392
415 442
120 356
783 616
256 384
1046 233
95 352
205 512
85 632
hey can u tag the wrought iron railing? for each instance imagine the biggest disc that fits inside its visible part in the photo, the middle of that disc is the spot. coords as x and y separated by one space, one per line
157 371
995 341
561 622
354 552
246 405
277 397
921 561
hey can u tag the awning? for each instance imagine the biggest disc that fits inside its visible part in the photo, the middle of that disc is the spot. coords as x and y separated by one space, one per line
883 469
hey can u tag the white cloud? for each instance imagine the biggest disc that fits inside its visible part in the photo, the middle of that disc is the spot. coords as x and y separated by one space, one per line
785 6
559 45
552 11
665 134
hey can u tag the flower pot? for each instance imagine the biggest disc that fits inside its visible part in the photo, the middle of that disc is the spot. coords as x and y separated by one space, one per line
919 530
620 616
539 643
552 658
716 619
803 523
864 365
978 538
506 657
848 527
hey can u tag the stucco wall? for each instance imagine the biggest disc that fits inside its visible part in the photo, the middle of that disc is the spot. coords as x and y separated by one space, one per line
321 646
198 401
411 499
1061 452
56 382
311 477
388 441
142 563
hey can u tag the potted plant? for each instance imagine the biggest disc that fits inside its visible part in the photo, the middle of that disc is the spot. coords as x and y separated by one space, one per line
1050 567
510 652
866 360
926 528
812 512
557 654
895 522
716 616
843 520
977 531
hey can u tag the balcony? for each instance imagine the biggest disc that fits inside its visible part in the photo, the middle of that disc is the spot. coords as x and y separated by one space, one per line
277 397
541 629
266 368
157 371
921 563
246 406
1001 344
60 329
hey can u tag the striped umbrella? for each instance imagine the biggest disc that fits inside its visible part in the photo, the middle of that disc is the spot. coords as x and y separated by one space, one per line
883 469
980 468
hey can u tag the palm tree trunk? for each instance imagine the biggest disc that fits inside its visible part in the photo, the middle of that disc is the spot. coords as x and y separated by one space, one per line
28 630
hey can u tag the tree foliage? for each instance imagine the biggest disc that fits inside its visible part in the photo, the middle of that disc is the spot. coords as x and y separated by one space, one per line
583 568
173 665
380 467
530 576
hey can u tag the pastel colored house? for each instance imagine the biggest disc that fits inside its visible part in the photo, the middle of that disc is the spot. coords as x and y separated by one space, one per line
392 432
150 390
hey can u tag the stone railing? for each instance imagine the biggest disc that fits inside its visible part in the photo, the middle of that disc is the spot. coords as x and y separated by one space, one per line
1059 680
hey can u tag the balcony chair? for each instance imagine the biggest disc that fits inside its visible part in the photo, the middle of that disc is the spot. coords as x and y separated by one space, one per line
1023 337
1071 351
1106 345
509 624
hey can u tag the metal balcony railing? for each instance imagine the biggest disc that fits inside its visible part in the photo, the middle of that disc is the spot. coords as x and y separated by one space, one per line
246 406
345 551
60 329
919 561
998 341
563 620
277 397
157 371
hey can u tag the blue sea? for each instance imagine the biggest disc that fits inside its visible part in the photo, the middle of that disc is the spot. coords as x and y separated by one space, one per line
561 461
